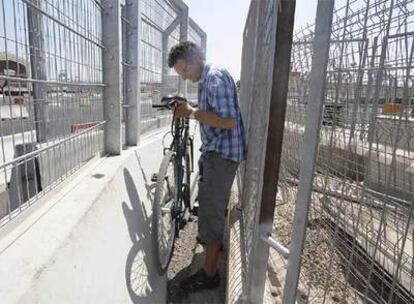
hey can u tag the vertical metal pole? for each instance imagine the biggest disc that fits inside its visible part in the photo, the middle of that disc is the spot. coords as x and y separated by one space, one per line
360 78
133 81
379 79
184 23
112 58
369 87
165 68
204 45
38 67
310 146
279 90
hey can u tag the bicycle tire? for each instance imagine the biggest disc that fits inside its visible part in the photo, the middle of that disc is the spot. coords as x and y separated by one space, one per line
187 194
164 239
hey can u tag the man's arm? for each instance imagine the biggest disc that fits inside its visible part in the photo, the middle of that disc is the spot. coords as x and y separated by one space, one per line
210 118
214 120
220 97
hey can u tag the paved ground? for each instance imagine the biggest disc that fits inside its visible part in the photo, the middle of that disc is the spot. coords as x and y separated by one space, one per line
88 241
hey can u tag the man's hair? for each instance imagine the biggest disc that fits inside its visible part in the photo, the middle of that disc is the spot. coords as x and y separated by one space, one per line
187 51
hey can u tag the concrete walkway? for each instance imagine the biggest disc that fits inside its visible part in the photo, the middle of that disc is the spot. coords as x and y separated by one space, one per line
89 241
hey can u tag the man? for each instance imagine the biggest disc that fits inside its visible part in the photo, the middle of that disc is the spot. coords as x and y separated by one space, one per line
223 148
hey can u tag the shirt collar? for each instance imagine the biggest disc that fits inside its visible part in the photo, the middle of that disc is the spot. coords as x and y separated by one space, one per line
206 69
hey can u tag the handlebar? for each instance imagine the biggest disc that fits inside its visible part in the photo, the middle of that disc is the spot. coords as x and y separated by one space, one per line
160 106
168 102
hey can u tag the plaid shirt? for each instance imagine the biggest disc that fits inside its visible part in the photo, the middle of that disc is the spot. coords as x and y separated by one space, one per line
217 93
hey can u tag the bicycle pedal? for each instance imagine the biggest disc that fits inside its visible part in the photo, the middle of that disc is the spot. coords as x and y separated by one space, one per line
165 210
194 211
183 223
154 177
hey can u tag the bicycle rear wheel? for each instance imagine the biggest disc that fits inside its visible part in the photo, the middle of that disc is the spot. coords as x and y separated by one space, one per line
163 223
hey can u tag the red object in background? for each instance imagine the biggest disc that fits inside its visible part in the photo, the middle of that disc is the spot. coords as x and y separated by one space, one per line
19 100
82 126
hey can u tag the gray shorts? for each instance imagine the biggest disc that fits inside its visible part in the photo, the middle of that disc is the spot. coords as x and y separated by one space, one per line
216 178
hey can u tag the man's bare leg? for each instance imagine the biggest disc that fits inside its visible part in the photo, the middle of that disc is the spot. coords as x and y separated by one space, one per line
211 258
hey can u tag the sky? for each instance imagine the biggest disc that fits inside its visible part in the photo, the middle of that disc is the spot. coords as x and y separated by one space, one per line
224 20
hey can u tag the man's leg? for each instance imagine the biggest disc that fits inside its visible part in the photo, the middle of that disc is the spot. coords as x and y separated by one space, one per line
214 188
211 258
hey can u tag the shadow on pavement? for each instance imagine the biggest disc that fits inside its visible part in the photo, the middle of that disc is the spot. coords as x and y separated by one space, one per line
144 284
176 294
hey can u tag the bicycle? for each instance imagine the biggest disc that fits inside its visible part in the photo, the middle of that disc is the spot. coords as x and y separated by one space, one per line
172 200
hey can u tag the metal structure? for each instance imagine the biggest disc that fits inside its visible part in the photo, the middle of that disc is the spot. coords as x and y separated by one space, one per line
264 85
343 225
77 79
162 25
52 93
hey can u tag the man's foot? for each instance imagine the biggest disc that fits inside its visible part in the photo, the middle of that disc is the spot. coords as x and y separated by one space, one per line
199 241
200 281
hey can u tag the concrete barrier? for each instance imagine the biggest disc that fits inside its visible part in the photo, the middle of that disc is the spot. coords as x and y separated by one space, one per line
376 168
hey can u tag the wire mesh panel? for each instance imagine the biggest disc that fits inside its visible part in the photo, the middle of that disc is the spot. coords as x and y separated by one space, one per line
51 95
237 256
359 235
192 89
359 238
196 36
255 98
193 36
159 33
260 92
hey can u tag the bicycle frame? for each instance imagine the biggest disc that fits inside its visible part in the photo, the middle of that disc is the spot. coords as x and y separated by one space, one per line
172 206
181 138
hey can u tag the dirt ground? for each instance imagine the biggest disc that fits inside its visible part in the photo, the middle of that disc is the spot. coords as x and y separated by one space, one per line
324 276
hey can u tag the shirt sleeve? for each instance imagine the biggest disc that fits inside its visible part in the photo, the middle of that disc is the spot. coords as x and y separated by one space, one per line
221 97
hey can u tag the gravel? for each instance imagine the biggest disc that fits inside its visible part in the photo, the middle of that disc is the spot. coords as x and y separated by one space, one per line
187 259
323 276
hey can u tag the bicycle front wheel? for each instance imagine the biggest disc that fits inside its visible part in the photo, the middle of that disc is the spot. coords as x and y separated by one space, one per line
163 223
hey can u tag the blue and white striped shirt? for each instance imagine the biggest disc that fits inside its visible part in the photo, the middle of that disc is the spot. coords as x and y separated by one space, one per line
217 93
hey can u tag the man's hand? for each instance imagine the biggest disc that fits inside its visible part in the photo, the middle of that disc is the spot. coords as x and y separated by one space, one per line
210 118
183 110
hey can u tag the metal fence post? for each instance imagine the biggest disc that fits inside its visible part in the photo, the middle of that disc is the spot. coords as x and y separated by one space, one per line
204 45
184 22
38 67
278 97
320 58
165 68
132 71
203 36
112 58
